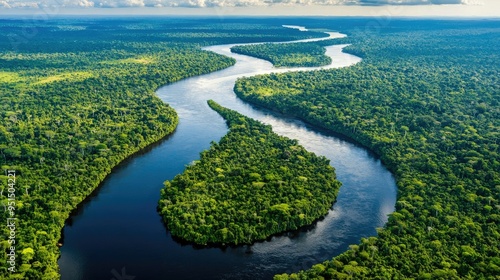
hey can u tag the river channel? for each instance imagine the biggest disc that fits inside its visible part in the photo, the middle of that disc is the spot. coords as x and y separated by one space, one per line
118 232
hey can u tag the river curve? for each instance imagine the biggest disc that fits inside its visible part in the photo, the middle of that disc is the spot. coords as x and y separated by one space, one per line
119 232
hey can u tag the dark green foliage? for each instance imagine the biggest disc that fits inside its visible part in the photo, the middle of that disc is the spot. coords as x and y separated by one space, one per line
76 98
249 186
426 100
288 54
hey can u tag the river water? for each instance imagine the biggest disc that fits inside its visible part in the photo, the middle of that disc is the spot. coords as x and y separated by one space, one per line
118 233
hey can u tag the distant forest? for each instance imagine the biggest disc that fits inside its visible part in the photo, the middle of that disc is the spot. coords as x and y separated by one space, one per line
289 54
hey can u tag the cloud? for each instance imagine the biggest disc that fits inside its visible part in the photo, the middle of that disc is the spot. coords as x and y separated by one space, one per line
85 3
217 3
473 2
78 3
412 2
119 3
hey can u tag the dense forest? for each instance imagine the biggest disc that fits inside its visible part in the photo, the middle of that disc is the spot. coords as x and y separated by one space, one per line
249 186
77 97
426 100
288 54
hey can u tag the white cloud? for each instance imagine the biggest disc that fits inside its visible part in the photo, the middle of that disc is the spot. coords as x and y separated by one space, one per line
414 2
22 4
119 3
78 3
85 3
4 4
473 2
218 3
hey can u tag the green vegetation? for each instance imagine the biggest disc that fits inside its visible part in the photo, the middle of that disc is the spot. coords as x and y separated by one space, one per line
132 60
426 99
70 77
70 111
249 186
9 77
288 54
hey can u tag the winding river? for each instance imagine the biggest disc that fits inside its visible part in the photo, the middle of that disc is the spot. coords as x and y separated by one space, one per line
117 233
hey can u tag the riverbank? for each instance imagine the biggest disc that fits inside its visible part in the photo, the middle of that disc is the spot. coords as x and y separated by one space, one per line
118 215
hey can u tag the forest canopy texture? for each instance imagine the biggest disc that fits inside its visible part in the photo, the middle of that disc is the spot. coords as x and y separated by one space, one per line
289 54
249 186
426 99
76 98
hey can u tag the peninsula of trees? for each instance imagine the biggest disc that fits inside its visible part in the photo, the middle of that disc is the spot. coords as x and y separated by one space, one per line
249 186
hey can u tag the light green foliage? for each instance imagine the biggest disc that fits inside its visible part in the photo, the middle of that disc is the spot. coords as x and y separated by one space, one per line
69 76
247 187
9 77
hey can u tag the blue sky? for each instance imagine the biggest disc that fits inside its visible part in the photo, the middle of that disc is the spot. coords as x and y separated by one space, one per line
467 8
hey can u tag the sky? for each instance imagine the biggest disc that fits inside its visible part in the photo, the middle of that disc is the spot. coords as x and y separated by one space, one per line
427 8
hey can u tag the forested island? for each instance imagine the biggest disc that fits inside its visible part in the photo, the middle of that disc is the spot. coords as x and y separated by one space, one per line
289 54
73 110
249 186
428 105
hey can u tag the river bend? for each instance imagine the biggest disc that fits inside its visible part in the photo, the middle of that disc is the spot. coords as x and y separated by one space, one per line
119 233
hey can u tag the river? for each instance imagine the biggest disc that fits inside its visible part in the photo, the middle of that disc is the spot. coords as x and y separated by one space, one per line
118 232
